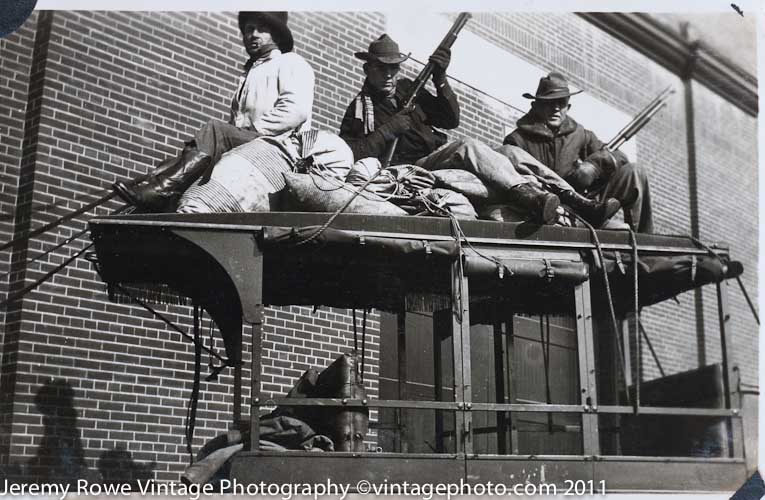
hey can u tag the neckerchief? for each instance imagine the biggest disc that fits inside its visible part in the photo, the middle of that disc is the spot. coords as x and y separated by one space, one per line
365 109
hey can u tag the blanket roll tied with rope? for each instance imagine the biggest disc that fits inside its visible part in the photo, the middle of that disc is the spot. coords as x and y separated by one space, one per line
319 175
250 178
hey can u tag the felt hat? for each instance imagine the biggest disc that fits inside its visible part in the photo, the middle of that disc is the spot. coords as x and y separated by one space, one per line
552 86
383 50
277 24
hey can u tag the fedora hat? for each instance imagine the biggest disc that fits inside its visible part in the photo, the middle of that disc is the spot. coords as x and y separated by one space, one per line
276 23
383 50
552 86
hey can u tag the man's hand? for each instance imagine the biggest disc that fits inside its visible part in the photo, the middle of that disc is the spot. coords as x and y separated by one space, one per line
397 125
413 177
440 59
584 175
604 160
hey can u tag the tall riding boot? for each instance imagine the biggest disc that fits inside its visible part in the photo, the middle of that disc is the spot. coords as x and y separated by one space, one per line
163 188
594 212
541 205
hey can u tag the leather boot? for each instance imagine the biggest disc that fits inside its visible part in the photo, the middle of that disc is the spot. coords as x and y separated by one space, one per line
594 212
541 205
163 188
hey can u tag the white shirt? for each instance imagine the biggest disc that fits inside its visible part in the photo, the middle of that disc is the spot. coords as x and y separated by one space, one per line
275 96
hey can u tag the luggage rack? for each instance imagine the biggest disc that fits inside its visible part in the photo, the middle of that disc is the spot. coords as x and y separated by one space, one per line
376 261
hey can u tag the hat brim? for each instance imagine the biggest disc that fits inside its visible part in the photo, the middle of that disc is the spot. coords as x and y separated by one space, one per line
551 96
366 56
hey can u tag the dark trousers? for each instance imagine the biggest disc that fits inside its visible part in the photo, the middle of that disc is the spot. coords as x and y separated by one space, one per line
629 185
493 169
216 138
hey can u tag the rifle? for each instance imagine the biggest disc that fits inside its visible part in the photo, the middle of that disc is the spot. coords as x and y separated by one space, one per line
637 123
422 78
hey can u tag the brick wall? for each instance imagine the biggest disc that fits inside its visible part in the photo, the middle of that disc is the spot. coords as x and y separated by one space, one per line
112 93
726 142
728 199
15 71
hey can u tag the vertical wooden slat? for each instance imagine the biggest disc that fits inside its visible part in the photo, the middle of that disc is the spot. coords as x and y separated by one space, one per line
402 378
734 426
461 342
257 342
587 378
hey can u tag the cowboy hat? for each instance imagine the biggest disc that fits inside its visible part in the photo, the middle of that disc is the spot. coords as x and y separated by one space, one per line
383 50
276 23
552 86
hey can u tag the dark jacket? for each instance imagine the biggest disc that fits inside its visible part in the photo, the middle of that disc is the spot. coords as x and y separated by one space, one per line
559 151
441 110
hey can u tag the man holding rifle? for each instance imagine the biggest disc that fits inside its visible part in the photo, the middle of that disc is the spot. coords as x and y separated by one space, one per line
378 117
577 155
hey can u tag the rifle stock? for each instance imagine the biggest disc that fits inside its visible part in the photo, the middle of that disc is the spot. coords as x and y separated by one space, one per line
422 78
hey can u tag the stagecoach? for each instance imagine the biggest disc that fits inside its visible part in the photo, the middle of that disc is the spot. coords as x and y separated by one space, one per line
510 353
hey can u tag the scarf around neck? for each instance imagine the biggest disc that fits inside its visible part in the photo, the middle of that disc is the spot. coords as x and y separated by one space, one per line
364 107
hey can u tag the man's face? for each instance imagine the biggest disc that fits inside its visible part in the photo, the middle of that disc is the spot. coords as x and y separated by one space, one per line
257 39
382 77
553 111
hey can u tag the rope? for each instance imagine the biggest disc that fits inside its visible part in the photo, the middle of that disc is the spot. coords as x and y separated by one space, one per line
48 207
170 324
433 208
214 369
45 278
609 297
456 231
738 278
711 252
638 368
51 250
58 268
748 300
191 409
329 222
62 244
650 347
71 215
399 192
363 344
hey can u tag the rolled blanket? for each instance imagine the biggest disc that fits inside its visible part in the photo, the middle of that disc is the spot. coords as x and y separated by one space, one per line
250 178
314 193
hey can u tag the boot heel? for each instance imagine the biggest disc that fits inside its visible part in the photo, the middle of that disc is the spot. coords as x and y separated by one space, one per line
542 206
549 209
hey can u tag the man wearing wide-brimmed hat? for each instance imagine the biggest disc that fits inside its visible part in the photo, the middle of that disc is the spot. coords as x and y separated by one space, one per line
377 116
577 155
273 99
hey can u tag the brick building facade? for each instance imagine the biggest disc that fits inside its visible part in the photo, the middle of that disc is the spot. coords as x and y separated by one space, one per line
91 387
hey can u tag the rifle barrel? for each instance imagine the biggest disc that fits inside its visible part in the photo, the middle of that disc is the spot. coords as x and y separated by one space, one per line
627 137
641 119
643 112
447 41
422 78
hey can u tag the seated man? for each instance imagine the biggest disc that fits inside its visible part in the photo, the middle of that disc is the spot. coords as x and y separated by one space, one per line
577 155
378 115
273 100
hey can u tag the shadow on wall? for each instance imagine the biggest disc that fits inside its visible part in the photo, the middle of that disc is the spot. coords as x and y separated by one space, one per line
117 467
60 457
